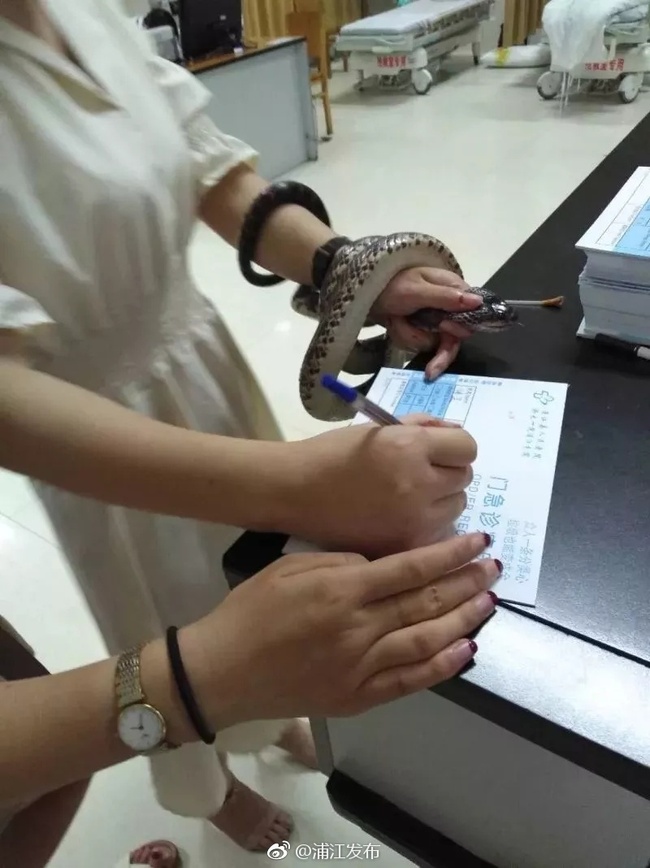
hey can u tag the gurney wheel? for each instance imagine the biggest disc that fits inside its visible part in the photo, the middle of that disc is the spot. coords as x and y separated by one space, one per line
549 84
422 81
630 87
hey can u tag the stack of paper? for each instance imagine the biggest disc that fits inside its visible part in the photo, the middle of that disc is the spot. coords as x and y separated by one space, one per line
615 283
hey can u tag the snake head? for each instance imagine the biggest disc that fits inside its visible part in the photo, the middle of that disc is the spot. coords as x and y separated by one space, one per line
494 315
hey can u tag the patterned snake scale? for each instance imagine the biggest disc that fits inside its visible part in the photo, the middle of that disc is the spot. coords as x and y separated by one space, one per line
359 273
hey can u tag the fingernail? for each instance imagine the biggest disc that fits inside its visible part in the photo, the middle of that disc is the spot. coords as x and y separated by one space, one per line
499 566
488 540
462 652
495 599
485 604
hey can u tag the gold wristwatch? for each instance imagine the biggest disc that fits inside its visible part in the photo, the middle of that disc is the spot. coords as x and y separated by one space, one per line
140 726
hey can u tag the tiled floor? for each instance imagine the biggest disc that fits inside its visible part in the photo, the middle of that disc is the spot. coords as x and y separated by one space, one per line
480 161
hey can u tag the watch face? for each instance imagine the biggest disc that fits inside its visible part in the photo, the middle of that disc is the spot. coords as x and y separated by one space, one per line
141 727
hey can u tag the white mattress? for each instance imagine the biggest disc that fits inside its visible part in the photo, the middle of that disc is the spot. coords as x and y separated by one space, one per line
412 18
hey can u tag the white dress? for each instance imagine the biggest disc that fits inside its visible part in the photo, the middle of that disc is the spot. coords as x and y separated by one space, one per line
101 170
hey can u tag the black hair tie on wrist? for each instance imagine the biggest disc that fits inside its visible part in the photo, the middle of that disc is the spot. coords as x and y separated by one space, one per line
185 689
269 200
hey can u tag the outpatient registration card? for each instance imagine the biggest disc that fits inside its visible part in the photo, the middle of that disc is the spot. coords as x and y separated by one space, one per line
517 425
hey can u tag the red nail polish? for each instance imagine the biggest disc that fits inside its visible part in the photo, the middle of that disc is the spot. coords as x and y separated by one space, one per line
499 566
473 646
494 597
488 540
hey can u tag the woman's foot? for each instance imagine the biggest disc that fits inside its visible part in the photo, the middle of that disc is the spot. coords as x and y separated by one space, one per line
250 820
298 741
156 854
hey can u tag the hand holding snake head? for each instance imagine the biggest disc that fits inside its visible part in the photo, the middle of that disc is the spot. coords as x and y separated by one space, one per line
433 310
408 282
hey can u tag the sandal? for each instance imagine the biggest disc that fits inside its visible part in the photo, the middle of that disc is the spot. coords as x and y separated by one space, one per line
251 821
155 854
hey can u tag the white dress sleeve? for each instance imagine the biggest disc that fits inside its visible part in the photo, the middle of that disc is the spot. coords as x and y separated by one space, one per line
214 153
19 313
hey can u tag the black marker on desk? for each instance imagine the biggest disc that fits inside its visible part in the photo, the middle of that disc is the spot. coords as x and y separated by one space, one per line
607 342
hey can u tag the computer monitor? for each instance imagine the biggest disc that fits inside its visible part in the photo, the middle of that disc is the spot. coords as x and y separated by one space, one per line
209 27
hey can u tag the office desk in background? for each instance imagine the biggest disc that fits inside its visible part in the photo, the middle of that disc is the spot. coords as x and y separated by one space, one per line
263 96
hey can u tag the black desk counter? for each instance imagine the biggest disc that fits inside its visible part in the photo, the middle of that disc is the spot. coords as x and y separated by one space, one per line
572 675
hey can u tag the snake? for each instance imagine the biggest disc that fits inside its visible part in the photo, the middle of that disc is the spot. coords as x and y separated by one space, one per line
359 273
342 306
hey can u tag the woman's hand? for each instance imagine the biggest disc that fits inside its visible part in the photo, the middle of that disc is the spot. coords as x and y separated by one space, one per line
379 490
326 635
417 288
311 635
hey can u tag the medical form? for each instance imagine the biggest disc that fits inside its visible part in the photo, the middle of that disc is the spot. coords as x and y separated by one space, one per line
624 225
517 426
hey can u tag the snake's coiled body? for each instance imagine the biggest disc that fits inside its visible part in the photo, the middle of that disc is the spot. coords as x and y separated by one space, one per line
359 274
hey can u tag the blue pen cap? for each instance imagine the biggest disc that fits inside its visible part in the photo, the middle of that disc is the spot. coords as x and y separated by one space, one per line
345 393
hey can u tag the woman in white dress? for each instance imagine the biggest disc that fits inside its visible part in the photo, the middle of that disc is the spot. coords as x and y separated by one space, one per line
106 161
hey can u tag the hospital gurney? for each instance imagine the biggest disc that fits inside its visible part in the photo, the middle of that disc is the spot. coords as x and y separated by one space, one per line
616 63
402 46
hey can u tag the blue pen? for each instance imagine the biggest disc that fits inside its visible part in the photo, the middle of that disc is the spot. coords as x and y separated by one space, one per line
358 402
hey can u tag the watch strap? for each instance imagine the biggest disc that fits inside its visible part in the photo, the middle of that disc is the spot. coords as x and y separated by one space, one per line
128 686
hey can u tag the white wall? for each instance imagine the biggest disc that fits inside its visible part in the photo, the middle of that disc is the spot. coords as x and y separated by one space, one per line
136 7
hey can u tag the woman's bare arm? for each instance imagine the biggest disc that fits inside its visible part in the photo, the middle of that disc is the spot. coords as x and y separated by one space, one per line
59 729
69 437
